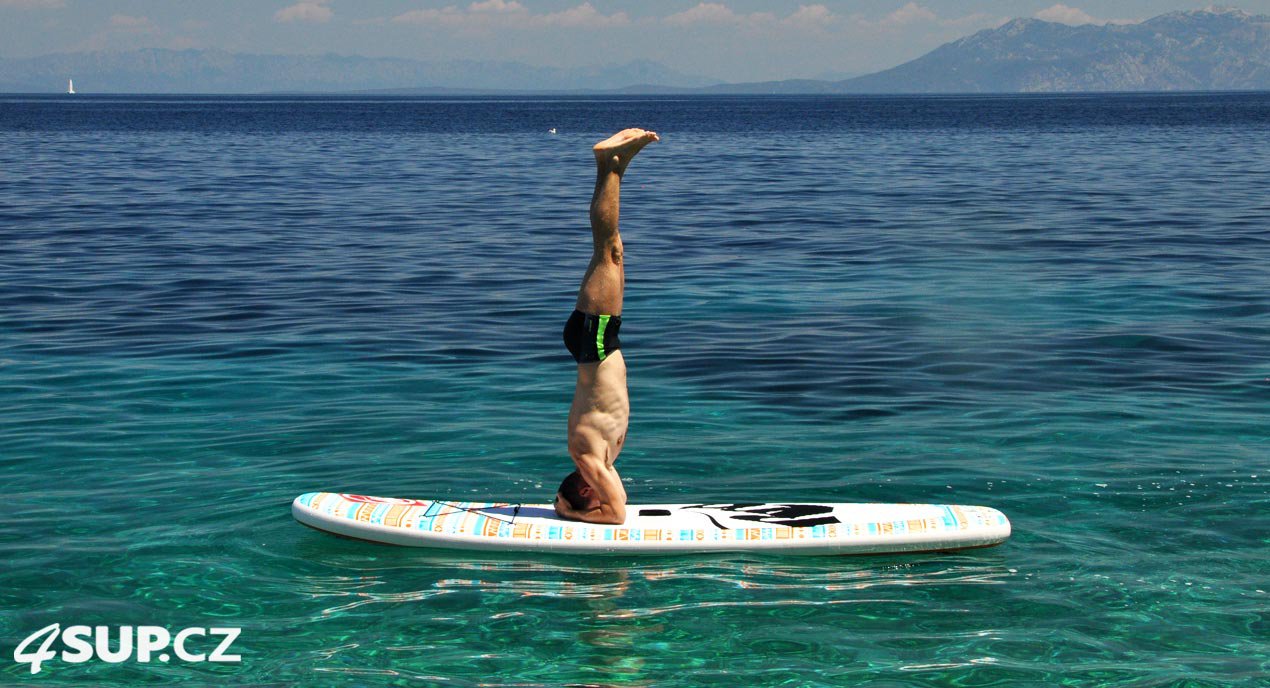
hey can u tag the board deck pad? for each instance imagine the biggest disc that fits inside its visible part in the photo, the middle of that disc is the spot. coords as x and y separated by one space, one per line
796 528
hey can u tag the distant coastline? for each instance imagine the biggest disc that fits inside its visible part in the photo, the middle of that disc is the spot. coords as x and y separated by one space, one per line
1211 50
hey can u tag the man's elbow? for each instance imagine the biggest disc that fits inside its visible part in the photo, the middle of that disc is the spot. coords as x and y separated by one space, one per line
614 515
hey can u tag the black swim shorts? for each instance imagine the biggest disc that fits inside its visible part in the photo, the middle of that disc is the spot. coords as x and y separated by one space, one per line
592 338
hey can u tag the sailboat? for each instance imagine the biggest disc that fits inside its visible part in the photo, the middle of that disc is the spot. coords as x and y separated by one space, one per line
70 87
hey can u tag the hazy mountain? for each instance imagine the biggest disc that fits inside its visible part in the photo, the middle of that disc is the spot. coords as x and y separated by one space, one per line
836 75
1213 49
217 71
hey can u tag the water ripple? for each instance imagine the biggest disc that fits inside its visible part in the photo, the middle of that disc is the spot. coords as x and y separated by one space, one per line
1054 305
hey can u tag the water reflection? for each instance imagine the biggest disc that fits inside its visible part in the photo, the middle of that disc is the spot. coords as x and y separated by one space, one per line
613 621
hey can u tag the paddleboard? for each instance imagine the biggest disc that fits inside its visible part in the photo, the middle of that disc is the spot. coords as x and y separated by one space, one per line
794 528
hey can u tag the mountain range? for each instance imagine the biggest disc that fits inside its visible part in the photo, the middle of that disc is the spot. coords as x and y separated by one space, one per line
1212 49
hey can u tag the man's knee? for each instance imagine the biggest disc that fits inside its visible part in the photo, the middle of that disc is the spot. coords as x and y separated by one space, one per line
610 252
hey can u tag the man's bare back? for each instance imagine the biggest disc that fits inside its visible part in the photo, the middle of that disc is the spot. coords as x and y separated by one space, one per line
601 408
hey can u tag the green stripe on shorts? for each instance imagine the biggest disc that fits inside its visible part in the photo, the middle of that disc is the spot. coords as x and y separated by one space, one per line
599 337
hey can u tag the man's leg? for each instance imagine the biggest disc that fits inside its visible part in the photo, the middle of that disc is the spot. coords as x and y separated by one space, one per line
605 279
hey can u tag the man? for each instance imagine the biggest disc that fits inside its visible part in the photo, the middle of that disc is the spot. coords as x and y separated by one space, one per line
597 419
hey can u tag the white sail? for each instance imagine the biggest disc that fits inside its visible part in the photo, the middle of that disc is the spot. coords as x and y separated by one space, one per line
70 86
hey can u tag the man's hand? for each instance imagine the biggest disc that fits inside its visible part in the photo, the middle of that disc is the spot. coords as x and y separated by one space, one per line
563 510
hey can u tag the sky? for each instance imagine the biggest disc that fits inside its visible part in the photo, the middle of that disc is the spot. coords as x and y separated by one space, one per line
731 40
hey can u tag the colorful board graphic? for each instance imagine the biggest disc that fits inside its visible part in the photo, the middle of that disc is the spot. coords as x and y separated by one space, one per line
657 528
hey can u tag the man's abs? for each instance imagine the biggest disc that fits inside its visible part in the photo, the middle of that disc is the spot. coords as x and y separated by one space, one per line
601 408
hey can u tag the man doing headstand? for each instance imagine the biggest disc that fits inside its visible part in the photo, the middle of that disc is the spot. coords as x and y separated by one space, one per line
598 417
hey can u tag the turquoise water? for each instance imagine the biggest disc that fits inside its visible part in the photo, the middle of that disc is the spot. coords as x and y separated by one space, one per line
1059 307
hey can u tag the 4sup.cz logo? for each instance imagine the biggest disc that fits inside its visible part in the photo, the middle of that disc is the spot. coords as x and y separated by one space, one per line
115 645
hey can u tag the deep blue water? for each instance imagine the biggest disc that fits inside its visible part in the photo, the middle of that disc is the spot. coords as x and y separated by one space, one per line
1056 306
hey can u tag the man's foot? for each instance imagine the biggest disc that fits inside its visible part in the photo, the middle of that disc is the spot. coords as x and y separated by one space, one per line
615 152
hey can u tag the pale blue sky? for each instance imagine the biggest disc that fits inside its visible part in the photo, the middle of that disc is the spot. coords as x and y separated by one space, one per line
736 40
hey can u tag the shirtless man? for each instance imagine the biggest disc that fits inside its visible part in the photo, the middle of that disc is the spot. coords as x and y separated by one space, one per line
597 420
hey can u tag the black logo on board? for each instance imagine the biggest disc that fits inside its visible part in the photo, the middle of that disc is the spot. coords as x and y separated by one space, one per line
791 515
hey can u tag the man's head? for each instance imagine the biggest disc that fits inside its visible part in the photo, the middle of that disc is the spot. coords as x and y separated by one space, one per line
578 493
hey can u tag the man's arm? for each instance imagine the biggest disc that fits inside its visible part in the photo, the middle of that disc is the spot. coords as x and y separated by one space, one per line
600 514
607 485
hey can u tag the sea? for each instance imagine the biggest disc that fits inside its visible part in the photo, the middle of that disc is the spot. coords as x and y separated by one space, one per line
1054 305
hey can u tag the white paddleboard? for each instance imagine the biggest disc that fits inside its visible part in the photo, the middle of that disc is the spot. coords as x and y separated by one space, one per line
794 528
